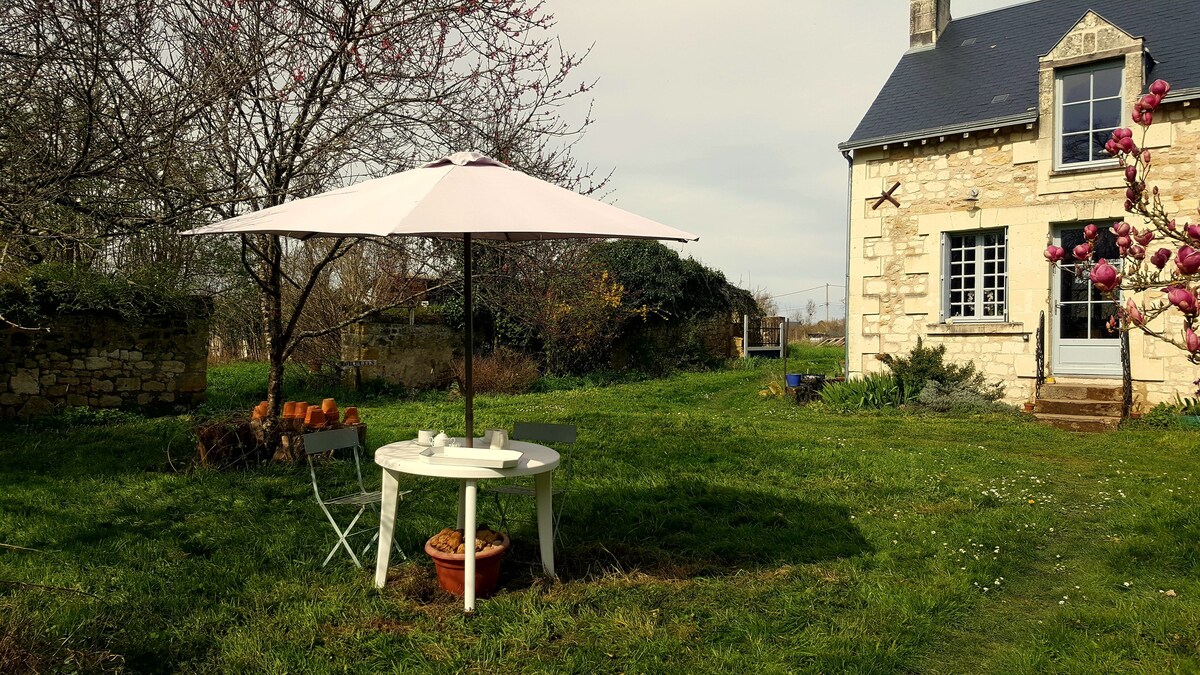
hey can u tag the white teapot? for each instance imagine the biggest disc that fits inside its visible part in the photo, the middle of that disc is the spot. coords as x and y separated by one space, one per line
441 440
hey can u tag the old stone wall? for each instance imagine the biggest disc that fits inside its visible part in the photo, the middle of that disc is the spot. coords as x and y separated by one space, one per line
407 353
1002 178
98 360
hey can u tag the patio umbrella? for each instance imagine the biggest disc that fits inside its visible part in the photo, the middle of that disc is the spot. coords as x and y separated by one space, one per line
464 196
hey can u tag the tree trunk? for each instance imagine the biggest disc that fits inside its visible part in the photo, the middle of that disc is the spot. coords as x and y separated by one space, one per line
271 301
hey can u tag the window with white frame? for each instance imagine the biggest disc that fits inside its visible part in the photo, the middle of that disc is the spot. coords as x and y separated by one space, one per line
1088 108
976 276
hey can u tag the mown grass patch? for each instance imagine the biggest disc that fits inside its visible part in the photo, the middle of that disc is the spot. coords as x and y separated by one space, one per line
708 531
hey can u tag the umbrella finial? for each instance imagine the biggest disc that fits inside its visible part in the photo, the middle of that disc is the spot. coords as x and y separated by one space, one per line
469 158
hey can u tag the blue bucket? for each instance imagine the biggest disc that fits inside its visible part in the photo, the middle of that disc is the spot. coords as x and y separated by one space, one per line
793 379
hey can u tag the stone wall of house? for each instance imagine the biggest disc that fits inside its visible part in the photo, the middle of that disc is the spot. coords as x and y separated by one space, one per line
98 360
408 352
896 257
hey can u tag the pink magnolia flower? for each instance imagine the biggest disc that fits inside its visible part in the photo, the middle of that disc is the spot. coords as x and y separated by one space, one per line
1123 244
1146 157
1127 144
1121 229
1104 276
1082 251
1134 313
1138 252
1149 102
1160 258
1054 253
1191 340
1130 173
1160 88
1143 238
1187 260
1193 231
1090 232
1182 297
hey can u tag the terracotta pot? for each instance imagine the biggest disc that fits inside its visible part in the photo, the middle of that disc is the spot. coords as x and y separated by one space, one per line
315 418
289 410
351 416
1028 407
301 410
487 568
327 405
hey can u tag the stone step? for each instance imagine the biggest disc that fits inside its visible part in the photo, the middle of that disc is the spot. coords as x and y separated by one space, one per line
1078 422
1081 392
1078 407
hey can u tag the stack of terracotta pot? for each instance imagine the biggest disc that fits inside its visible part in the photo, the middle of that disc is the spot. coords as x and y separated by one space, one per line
299 415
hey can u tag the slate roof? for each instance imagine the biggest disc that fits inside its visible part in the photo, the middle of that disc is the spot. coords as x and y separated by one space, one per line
952 86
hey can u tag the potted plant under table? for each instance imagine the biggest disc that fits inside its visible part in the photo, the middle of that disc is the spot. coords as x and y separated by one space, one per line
448 551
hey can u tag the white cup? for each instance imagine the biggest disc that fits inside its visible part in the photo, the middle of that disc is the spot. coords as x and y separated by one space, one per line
497 438
425 437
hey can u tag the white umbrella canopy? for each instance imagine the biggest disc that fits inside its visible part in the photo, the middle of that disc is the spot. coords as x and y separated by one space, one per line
466 193
462 196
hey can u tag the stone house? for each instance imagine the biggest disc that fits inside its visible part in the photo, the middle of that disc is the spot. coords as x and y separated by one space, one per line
989 138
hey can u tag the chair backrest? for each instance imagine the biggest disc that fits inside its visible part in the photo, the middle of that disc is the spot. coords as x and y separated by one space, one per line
324 441
319 442
548 433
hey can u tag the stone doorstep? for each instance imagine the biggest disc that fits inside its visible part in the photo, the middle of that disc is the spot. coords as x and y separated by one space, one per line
1078 407
1079 423
1082 392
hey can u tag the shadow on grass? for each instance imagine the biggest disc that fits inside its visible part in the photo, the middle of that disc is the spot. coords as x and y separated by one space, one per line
688 530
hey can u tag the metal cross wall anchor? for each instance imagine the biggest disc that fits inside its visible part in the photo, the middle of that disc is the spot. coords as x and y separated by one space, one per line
887 197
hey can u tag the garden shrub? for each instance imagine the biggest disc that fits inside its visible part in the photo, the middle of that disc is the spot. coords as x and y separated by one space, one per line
876 390
35 294
504 371
958 397
1162 416
927 364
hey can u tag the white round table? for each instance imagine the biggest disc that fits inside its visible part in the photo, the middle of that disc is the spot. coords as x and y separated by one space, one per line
405 457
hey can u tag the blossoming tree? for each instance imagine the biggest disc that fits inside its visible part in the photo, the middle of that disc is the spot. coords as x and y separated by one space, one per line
1152 284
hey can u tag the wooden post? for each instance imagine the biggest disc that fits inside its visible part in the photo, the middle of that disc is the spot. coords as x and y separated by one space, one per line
745 336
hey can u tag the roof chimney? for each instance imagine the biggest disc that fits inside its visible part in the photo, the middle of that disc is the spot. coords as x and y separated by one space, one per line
927 21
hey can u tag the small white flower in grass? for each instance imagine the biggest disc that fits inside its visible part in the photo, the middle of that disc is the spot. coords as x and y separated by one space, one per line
1128 584
1062 602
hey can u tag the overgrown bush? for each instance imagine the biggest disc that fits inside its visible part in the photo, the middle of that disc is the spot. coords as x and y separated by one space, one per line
958 397
504 371
928 364
37 293
876 390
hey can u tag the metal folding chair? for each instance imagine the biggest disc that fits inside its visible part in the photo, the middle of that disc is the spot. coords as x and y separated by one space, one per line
328 442
562 438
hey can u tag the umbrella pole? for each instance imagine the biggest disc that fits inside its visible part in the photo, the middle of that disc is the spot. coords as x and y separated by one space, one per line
470 346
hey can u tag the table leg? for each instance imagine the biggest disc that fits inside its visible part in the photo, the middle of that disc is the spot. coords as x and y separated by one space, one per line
387 524
469 541
462 503
545 519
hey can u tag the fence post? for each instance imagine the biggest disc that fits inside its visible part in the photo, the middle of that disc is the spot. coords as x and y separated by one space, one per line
745 336
783 328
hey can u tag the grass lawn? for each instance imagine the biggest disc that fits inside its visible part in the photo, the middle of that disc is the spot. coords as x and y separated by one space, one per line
708 530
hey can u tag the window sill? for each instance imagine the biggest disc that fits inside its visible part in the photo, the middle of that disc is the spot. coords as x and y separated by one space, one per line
982 328
1066 171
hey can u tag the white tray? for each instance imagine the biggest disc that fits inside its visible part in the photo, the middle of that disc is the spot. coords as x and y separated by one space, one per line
482 457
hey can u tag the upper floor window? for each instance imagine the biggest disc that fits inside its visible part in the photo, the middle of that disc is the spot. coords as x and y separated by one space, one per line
976 276
1089 108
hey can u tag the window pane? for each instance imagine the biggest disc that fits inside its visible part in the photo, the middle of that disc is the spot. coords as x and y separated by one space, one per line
1107 82
1076 118
1105 114
1099 138
1077 87
1076 148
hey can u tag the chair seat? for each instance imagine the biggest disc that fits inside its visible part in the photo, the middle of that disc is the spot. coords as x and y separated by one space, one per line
357 498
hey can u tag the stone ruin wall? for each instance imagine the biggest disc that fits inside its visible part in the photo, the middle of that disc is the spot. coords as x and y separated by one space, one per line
97 360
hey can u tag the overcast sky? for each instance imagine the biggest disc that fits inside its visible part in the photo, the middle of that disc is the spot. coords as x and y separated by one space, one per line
723 119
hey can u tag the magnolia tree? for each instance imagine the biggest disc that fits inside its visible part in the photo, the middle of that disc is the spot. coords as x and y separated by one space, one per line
1158 272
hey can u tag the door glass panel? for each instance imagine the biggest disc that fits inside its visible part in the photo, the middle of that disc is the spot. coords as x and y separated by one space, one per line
1073 321
1100 315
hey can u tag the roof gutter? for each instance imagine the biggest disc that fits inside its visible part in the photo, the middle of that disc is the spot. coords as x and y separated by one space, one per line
965 127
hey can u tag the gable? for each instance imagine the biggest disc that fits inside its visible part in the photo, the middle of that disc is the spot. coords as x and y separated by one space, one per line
1093 37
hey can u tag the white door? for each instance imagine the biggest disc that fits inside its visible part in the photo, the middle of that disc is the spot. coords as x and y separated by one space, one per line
1082 343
